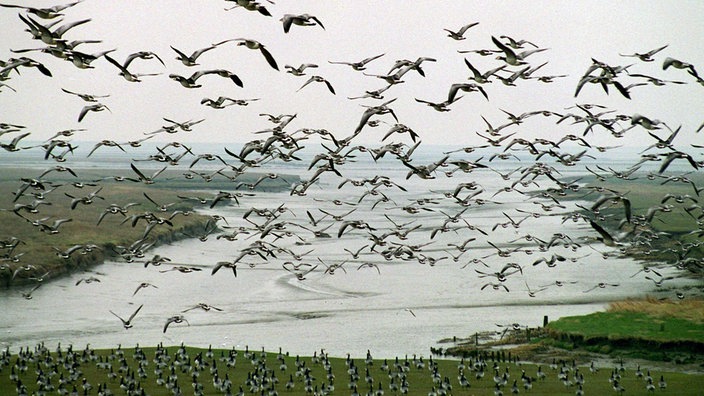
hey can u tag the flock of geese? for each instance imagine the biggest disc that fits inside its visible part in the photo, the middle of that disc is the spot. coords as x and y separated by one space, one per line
405 224
175 369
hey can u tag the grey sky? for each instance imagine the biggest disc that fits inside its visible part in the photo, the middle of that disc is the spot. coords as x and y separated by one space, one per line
573 31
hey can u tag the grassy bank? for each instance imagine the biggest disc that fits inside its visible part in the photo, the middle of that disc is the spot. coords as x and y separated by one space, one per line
38 251
667 332
675 210
203 371
649 328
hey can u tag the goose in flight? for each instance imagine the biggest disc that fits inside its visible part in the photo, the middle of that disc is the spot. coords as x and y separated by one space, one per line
219 103
85 97
375 110
300 20
83 60
441 106
28 294
95 107
376 94
26 62
128 323
90 279
190 82
143 178
361 65
298 270
126 74
512 58
12 146
601 285
482 78
318 79
251 5
191 60
605 237
459 35
44 13
143 285
204 307
142 55
54 227
517 44
646 56
175 319
227 264
369 265
299 71
254 45
614 199
464 87
47 36
677 64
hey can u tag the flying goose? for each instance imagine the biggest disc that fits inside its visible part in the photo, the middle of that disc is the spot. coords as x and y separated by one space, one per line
300 20
127 323
255 45
459 35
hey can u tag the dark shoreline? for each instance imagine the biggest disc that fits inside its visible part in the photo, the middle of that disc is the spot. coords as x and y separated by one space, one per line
38 251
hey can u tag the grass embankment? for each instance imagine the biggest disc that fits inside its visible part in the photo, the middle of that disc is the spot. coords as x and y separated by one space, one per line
670 332
39 249
650 328
257 372
674 225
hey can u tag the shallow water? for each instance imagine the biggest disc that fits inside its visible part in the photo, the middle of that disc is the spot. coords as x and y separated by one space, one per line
404 308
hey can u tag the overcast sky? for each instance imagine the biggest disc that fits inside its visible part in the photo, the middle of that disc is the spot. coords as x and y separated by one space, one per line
573 32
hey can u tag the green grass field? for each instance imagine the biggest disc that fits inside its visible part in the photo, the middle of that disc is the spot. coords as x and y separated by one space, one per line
630 325
647 328
131 370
